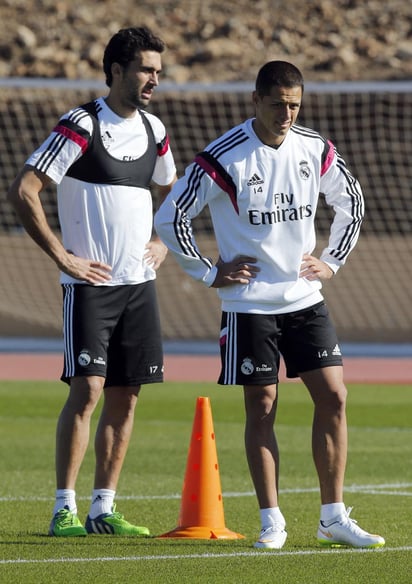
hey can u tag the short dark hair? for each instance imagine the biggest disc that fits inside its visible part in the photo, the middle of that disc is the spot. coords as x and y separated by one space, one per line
125 46
278 74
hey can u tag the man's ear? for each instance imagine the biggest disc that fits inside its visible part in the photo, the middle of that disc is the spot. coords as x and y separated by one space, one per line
116 69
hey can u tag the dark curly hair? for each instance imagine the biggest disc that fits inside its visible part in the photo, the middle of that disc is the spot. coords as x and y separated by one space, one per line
126 45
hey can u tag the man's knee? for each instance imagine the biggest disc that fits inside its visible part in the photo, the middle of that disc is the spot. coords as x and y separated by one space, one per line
85 393
260 403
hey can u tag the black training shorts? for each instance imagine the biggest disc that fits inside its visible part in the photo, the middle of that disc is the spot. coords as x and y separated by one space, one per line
112 332
251 345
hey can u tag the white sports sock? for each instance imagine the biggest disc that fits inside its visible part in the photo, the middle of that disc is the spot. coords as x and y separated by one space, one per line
270 516
65 498
331 510
102 502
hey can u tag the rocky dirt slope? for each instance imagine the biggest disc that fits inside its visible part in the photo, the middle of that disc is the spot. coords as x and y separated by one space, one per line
213 40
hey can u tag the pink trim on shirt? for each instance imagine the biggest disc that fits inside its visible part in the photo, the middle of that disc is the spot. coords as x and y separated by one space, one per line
70 135
163 147
329 159
219 180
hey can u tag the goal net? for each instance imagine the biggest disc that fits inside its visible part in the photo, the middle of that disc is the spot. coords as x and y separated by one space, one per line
370 124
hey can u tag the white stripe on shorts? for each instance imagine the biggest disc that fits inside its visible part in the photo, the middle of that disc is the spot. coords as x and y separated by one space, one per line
231 349
68 329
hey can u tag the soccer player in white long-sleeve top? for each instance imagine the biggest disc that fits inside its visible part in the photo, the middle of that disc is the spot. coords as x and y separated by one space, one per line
262 181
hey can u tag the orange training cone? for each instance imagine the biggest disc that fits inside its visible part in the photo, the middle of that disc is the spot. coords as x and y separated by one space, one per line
201 512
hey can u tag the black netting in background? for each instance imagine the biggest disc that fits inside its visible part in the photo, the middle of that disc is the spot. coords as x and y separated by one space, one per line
369 299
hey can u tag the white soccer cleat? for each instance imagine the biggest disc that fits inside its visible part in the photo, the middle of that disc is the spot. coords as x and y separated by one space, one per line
272 537
343 531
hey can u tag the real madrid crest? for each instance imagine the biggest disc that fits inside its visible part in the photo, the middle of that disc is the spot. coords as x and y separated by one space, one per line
247 367
84 358
304 170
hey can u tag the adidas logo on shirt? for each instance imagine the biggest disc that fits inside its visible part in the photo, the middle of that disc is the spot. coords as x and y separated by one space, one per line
255 180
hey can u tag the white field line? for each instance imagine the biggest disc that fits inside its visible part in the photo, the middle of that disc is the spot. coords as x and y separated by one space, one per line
382 489
369 489
206 556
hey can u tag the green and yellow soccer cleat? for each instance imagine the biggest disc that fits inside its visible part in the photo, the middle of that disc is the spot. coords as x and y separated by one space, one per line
66 524
114 524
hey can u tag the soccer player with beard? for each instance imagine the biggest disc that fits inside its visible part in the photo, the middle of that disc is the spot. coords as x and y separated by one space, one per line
104 157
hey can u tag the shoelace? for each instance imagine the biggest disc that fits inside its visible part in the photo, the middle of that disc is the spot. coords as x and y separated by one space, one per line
116 514
67 518
348 512
276 528
352 523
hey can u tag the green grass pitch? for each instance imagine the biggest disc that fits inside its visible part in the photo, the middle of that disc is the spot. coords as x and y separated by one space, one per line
378 485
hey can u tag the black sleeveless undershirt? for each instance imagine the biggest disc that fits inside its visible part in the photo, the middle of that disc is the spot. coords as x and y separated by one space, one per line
97 166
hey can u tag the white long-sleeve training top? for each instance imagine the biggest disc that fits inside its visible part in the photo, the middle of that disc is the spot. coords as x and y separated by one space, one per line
262 202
